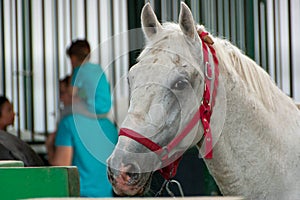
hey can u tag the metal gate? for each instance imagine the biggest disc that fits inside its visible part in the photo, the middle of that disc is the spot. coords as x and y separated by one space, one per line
33 37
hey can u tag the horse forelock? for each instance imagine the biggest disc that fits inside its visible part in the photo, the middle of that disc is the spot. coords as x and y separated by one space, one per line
171 35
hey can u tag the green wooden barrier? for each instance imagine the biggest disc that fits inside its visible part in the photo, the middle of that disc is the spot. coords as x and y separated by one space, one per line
34 182
11 163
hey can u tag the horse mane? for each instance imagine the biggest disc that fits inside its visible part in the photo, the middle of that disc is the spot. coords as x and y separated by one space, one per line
256 79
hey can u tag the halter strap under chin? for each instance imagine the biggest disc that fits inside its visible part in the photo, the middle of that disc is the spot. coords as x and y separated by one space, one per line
203 113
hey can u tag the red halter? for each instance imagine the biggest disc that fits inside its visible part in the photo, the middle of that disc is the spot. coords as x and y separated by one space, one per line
203 113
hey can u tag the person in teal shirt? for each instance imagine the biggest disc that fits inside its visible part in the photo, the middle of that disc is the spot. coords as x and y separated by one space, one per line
92 87
88 79
86 137
91 141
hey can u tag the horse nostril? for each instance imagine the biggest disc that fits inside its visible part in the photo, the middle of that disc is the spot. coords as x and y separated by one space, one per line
133 173
128 174
133 178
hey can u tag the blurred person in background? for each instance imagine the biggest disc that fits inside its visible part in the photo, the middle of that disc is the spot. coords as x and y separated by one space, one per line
7 114
11 147
86 137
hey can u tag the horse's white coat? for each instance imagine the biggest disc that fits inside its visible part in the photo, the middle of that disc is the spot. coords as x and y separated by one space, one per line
257 150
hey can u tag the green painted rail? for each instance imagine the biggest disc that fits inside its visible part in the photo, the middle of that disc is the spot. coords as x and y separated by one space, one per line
11 163
37 182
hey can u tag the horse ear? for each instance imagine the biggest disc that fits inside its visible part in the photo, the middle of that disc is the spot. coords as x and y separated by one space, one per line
186 21
150 24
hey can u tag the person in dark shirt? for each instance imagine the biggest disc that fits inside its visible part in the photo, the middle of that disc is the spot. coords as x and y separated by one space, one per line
11 147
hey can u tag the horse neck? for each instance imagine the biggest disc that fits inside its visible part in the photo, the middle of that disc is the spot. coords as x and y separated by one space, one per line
250 149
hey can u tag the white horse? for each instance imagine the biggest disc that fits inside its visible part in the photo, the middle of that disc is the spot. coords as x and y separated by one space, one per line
254 127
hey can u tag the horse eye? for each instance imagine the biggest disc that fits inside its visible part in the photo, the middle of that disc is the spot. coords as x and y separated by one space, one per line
180 85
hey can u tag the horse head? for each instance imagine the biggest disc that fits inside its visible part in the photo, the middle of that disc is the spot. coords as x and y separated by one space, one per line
166 90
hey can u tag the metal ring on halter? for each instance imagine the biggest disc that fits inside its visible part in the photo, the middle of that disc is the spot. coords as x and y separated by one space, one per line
206 71
161 189
178 185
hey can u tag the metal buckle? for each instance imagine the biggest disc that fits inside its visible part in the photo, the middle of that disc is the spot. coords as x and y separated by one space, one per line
207 64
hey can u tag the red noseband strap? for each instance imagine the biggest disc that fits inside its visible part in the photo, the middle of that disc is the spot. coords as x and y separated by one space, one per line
170 168
141 139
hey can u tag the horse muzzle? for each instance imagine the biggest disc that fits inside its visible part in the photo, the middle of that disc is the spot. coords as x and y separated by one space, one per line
128 180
